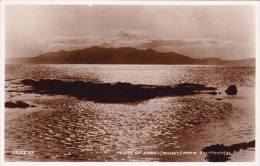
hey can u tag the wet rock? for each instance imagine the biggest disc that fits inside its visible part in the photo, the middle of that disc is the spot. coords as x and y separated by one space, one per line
231 90
17 104
213 93
113 93
221 153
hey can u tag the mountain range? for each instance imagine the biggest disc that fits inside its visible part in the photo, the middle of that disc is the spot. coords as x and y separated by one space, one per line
124 55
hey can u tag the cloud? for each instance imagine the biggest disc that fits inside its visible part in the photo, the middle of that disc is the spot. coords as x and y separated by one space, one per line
201 42
126 34
193 47
203 47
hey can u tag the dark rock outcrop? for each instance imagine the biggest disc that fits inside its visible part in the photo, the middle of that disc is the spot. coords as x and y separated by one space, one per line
17 104
221 153
113 93
231 90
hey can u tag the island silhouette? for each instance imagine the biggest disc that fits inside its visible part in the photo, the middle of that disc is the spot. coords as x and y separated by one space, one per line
124 55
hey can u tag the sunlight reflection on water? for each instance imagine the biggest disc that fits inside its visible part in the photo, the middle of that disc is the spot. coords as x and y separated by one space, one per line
66 128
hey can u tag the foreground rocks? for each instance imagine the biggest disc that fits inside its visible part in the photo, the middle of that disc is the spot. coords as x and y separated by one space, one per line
231 90
17 104
220 152
113 93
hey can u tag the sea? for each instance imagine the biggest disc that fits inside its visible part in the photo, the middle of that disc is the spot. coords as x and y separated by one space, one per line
174 128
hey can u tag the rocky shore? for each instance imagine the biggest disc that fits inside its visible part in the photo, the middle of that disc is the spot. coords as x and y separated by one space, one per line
220 152
113 93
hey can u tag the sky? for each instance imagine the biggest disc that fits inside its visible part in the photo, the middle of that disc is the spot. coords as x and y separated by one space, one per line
225 32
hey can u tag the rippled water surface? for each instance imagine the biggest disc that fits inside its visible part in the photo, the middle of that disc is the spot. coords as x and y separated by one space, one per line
63 128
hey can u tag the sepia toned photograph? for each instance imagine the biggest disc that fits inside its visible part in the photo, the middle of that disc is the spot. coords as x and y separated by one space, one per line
167 83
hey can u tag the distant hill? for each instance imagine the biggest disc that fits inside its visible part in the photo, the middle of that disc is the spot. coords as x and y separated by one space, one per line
124 55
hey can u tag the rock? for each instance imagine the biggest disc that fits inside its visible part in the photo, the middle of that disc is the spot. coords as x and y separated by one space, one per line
214 152
17 104
114 92
212 93
231 90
